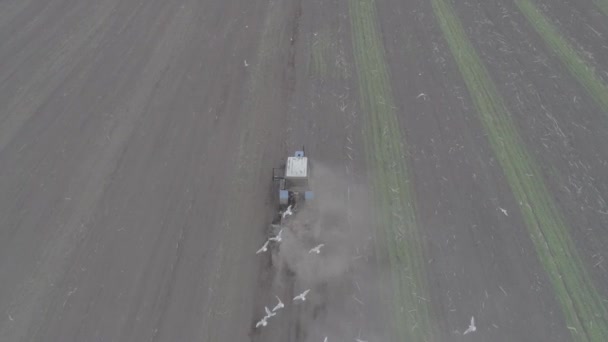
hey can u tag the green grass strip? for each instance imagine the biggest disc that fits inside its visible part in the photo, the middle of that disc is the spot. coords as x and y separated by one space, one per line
566 53
393 195
582 306
602 5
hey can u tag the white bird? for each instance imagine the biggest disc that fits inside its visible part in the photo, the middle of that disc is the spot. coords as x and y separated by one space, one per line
262 322
504 211
471 327
277 238
301 296
316 249
287 212
269 313
280 305
423 95
245 62
264 248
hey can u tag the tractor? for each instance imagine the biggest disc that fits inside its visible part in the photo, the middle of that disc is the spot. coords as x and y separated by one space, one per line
293 180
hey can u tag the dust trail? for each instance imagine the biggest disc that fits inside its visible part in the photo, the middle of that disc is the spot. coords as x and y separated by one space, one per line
342 279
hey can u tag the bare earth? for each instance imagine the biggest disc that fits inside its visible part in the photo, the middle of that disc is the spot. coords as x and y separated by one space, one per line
137 140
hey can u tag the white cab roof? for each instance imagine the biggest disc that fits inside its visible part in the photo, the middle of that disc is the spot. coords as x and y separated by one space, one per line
297 167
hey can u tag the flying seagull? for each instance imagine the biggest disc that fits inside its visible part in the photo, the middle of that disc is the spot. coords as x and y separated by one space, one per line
269 313
316 249
287 212
277 238
504 211
278 306
264 248
262 322
471 327
301 296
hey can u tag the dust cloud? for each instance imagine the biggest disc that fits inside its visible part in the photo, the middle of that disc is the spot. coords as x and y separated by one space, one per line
330 219
344 277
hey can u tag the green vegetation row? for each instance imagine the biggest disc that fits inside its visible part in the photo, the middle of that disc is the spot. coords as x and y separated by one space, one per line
581 305
566 53
602 5
395 213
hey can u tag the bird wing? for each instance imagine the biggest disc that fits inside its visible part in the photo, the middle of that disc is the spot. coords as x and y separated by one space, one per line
276 238
262 248
317 249
472 321
267 310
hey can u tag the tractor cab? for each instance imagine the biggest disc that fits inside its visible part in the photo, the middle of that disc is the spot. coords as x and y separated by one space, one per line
293 180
